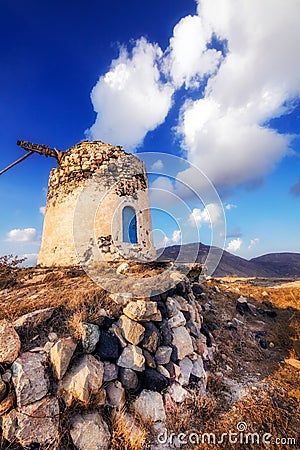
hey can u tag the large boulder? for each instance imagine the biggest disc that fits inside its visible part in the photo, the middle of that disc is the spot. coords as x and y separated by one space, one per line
61 354
132 331
34 424
182 342
83 380
89 431
150 406
33 319
154 380
142 311
108 346
132 358
29 378
10 344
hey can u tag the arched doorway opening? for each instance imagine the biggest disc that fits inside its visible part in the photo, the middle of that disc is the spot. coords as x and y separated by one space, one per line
129 224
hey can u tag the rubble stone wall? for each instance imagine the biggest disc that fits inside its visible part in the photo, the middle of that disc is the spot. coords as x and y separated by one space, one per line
86 196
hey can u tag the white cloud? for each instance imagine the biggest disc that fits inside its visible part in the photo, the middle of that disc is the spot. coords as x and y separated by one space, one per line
211 213
22 235
157 165
175 239
31 259
234 245
225 132
230 206
130 99
188 59
42 210
224 126
253 243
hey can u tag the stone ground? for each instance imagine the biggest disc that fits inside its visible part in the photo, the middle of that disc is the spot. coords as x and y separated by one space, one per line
252 378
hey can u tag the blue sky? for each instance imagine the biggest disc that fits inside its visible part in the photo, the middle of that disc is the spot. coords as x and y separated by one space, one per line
215 82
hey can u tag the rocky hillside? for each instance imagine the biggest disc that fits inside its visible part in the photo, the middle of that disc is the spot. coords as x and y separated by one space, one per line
85 369
281 265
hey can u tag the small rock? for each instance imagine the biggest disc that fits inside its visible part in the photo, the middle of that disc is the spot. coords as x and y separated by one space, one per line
61 354
293 362
142 311
186 367
108 346
163 355
132 331
48 346
194 328
6 377
3 389
110 371
242 306
197 289
83 380
163 371
154 381
123 268
129 379
52 337
178 393
181 301
263 343
9 425
29 378
116 330
90 337
271 345
115 394
132 358
150 361
199 372
10 344
149 405
182 342
177 320
166 333
121 299
38 423
34 318
151 338
90 432
7 404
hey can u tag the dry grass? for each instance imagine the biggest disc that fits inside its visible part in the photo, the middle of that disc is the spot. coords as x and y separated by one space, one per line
127 432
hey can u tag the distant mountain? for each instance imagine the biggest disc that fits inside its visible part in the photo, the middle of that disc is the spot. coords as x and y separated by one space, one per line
285 265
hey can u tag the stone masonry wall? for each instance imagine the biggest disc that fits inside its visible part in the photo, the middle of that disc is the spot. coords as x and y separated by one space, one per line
145 359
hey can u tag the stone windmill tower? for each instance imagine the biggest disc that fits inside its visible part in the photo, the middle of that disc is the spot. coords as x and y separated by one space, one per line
98 206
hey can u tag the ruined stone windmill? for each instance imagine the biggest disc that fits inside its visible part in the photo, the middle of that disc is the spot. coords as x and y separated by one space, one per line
112 218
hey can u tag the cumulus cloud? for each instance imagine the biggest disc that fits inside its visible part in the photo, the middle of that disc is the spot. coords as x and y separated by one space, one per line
42 210
157 165
239 72
174 239
230 206
295 189
256 81
22 235
253 243
188 59
234 245
211 214
130 98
